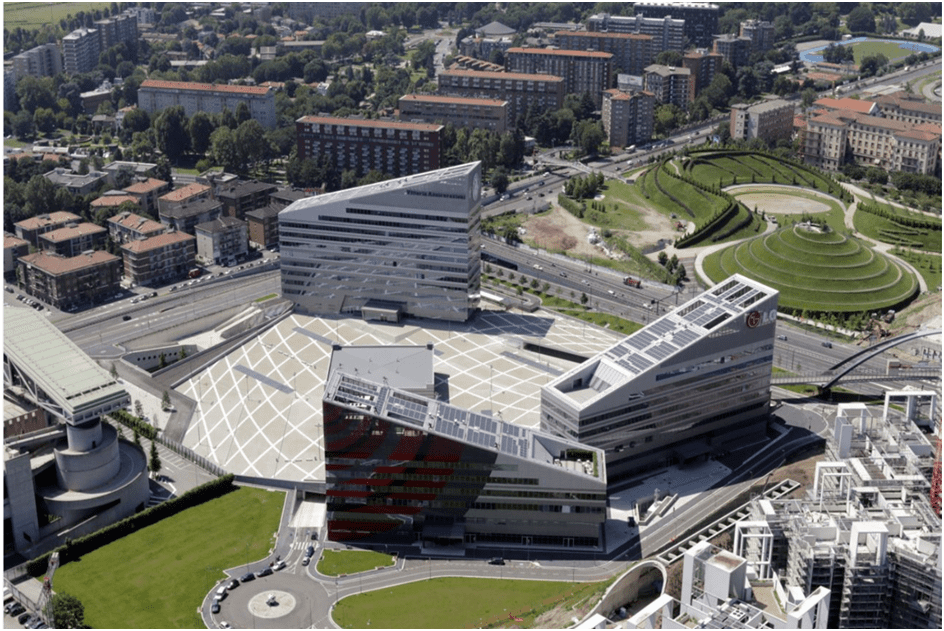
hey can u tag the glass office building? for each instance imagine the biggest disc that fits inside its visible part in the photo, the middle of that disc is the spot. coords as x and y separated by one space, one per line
695 381
408 246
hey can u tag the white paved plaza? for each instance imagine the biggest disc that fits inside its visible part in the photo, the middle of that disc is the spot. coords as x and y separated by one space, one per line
259 408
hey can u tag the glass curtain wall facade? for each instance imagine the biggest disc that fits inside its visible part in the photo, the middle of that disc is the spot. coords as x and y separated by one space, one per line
412 244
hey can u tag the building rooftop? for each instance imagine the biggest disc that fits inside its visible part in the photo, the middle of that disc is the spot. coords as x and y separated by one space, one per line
268 211
40 221
495 29
191 208
401 367
666 71
113 200
205 87
72 232
768 105
145 186
557 52
355 122
851 105
603 35
457 100
514 76
157 241
242 188
185 192
902 100
220 224
56 265
136 222
9 241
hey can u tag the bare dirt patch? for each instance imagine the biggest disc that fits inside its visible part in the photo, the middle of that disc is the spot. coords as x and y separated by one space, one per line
561 231
781 203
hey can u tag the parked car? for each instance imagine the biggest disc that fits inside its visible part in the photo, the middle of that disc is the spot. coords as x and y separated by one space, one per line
215 608
233 584
310 551
279 566
248 576
264 572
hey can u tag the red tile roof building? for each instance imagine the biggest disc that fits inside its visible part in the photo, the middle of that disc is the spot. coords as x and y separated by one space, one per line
13 249
159 259
183 195
631 51
73 240
30 229
155 95
628 117
490 114
125 227
903 107
545 93
67 281
147 191
582 71
394 148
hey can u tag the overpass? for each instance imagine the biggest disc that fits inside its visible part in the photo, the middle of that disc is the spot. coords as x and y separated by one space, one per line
830 378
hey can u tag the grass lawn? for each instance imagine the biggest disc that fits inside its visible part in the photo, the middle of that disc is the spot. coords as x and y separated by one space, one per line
157 577
897 231
33 15
454 603
337 562
267 297
928 265
892 51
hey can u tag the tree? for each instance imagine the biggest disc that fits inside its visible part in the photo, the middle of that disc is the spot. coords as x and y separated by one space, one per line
242 113
200 128
67 612
499 180
872 64
154 462
225 150
669 58
667 117
861 20
583 299
808 97
589 135
170 128
251 141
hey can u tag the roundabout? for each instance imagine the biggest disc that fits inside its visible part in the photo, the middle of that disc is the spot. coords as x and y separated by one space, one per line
279 601
273 604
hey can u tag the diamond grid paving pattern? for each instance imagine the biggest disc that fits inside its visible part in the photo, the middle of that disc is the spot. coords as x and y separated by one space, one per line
272 427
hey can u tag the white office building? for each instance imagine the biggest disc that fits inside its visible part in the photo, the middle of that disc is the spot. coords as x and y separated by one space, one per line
691 383
408 246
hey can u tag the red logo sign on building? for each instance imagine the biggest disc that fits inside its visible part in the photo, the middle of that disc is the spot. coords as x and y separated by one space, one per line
753 319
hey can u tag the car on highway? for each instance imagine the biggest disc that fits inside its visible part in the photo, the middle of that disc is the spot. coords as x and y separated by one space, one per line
782 338
827 344
496 561
125 317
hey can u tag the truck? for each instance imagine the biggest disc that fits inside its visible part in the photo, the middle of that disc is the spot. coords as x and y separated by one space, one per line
194 272
632 282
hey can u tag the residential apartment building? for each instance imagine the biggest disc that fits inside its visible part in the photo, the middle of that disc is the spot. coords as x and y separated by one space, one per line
628 117
222 241
461 111
116 29
908 108
13 249
155 95
147 191
703 65
41 61
735 50
263 223
241 196
185 194
701 18
185 217
159 259
582 71
125 227
64 282
113 200
761 34
73 239
76 183
667 33
80 50
496 483
828 136
411 244
631 51
694 381
770 120
669 84
544 93
393 148
30 229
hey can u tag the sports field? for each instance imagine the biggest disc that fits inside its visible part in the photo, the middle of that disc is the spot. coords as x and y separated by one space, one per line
32 15
156 578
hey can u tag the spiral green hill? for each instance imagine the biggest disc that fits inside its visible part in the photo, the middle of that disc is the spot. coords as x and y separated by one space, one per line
817 271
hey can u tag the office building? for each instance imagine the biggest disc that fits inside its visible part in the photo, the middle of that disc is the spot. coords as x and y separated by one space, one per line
80 50
240 196
544 93
631 51
735 50
408 246
73 239
770 120
833 130
694 381
761 34
13 249
126 226
701 18
30 229
155 95
667 33
866 530
582 71
394 148
222 241
41 61
627 117
65 282
703 65
669 84
404 468
461 111
159 259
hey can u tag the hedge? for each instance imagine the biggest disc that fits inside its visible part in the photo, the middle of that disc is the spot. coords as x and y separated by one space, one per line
73 550
133 422
575 208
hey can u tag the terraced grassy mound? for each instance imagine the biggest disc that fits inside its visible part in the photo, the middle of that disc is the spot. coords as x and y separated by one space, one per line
817 271
729 167
891 224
